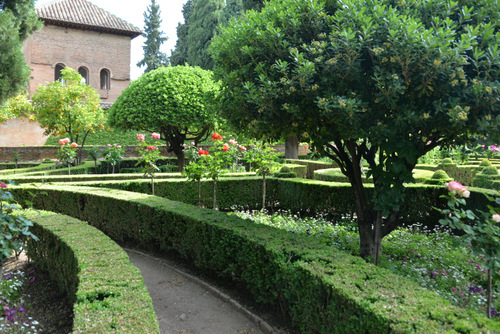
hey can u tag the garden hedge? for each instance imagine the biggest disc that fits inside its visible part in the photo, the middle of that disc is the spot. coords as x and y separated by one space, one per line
335 199
320 289
107 292
312 165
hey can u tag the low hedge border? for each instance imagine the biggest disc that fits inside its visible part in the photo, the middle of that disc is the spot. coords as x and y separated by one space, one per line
335 199
107 291
44 166
311 166
320 289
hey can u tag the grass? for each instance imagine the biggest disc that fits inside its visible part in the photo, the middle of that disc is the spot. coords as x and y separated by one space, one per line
432 258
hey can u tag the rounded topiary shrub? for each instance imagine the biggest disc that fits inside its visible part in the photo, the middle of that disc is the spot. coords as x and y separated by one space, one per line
439 177
485 163
446 162
489 170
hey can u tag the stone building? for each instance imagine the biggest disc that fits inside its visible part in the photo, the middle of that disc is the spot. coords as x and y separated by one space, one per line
78 34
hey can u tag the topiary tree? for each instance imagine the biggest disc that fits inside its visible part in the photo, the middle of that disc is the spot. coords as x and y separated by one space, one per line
69 106
365 80
173 101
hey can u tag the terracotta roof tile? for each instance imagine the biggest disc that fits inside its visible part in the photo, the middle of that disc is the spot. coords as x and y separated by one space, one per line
86 15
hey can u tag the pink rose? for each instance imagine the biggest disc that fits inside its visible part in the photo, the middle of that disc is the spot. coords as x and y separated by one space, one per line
455 187
155 135
243 148
119 147
233 142
225 147
3 185
140 137
74 144
193 143
496 217
109 145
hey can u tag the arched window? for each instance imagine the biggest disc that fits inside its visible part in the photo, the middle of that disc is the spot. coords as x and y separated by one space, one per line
58 74
84 73
105 79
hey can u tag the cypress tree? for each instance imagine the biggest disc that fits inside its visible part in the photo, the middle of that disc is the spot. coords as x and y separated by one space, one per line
233 8
18 20
153 57
202 28
179 54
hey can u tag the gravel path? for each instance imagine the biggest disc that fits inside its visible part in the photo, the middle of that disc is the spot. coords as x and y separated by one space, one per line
184 304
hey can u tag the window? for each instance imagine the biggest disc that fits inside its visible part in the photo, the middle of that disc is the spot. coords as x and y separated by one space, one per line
105 79
85 74
58 74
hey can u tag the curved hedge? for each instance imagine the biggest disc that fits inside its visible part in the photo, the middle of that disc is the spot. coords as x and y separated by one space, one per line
320 289
107 291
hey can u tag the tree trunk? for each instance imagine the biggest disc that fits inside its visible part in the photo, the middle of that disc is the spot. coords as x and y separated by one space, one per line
181 160
152 184
263 191
199 193
292 147
215 195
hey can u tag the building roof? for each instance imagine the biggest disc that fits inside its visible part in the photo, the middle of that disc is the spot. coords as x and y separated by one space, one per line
82 14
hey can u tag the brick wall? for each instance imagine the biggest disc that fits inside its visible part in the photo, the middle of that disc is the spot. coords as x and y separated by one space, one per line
75 48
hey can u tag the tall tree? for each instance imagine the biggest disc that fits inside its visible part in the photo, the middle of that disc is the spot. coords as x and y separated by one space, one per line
233 8
203 25
253 4
366 80
69 106
18 20
153 57
179 54
175 101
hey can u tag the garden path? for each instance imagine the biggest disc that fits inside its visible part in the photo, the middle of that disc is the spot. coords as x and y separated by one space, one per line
185 304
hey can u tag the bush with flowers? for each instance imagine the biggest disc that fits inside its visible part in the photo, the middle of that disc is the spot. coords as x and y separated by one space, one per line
67 153
213 163
114 155
481 230
149 155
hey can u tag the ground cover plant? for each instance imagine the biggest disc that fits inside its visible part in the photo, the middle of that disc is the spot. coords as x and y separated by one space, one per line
429 257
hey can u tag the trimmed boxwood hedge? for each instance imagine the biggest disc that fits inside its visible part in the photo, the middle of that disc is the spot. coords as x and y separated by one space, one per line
107 291
320 289
297 195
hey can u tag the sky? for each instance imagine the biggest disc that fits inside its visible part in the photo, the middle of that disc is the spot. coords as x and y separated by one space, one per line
132 11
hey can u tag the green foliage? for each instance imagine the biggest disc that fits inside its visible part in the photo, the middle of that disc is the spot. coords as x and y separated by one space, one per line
173 101
18 20
179 55
439 177
18 106
203 23
382 82
481 232
14 228
153 57
149 155
80 271
281 269
67 153
113 155
69 106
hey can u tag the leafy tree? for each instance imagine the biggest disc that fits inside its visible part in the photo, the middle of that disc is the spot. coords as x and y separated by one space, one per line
18 20
173 101
17 106
384 83
179 54
233 8
203 24
69 106
153 57
252 4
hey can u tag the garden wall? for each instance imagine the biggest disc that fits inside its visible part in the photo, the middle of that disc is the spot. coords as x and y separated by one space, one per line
320 290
